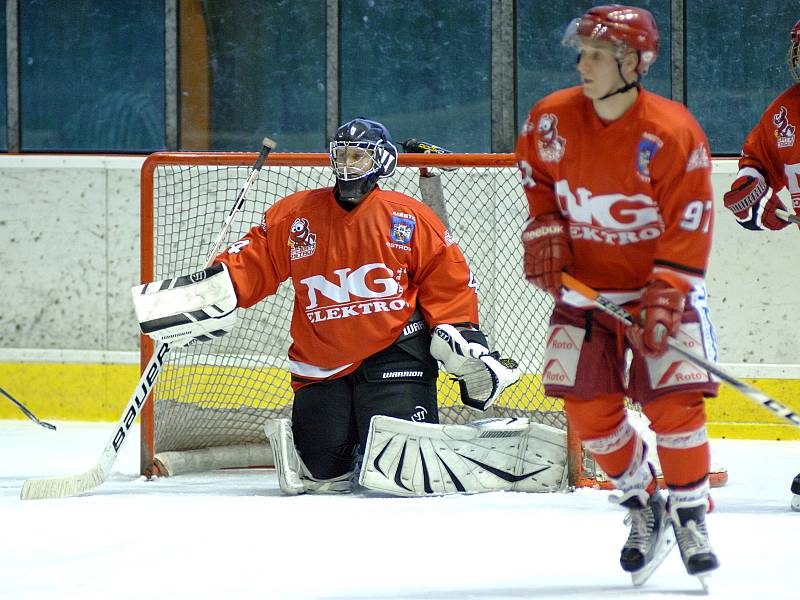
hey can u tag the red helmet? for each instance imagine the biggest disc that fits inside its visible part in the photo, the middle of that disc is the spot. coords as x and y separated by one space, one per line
627 26
794 52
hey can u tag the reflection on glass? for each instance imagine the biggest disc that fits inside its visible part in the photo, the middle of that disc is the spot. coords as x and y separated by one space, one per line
92 75
732 72
249 73
423 69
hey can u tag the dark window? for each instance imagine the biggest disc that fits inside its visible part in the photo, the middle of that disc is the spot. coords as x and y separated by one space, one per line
423 69
544 65
92 75
735 65
3 114
250 73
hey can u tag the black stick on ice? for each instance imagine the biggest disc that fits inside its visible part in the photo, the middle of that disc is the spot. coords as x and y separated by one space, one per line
28 413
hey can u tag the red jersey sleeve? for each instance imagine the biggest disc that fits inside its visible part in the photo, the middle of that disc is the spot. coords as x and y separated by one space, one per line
446 289
256 266
537 183
682 185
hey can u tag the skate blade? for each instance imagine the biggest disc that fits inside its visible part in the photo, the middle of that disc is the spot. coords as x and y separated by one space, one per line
703 579
666 544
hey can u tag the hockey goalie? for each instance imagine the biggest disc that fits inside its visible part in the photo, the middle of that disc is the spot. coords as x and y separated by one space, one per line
382 296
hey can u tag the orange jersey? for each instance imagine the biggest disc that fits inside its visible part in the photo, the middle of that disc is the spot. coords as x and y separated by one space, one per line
635 192
772 147
357 276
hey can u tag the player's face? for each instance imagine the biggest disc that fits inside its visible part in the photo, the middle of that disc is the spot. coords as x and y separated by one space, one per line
353 162
597 66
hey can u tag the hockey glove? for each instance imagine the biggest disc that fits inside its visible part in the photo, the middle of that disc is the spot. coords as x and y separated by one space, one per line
659 318
481 375
753 203
547 252
187 309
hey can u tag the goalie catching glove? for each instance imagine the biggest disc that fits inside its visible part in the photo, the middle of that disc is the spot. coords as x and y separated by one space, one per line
481 375
187 309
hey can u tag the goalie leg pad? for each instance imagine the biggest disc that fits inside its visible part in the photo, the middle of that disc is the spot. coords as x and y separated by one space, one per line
405 458
293 475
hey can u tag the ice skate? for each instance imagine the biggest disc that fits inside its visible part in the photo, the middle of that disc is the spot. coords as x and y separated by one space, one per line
796 492
650 538
692 536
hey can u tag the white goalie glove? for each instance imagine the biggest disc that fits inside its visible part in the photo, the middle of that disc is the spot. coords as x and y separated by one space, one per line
187 309
482 375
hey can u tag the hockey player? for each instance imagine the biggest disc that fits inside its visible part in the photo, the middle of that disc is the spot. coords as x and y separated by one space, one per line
619 192
381 292
770 162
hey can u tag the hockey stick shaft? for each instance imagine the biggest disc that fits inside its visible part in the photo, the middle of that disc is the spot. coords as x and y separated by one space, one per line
25 410
623 315
72 485
787 216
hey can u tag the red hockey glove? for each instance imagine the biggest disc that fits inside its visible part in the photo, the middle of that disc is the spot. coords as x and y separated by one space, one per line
659 318
547 252
753 203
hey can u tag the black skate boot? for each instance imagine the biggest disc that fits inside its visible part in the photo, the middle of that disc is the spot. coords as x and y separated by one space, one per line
692 536
796 492
650 538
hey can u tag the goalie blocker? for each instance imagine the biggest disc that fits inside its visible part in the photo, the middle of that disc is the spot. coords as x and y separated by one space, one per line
187 309
482 375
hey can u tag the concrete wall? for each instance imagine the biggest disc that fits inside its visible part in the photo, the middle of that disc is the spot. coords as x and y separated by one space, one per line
70 253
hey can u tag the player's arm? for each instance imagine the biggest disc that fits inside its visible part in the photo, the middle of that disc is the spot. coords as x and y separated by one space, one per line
545 235
448 300
201 306
681 173
752 198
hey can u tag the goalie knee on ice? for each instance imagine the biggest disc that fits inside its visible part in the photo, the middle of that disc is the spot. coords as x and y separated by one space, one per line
482 375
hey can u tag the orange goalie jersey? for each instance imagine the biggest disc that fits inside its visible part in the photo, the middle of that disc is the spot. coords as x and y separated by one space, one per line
357 276
641 212
772 147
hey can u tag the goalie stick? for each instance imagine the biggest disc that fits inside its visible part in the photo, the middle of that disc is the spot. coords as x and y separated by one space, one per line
623 315
72 485
28 413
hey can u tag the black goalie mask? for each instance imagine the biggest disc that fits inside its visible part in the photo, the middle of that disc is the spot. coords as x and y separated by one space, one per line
361 152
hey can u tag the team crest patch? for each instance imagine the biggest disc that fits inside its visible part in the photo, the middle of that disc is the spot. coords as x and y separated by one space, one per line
302 243
402 229
549 144
698 159
649 144
784 131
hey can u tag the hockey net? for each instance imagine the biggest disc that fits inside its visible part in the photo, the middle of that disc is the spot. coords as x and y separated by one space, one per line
211 400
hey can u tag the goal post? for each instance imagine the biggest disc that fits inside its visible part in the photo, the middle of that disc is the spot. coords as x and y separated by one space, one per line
212 399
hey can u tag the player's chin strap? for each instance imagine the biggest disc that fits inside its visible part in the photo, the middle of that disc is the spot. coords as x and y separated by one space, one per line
405 458
628 86
482 375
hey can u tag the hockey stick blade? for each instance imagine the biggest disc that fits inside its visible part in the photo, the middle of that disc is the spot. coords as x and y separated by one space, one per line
787 216
621 314
28 413
73 485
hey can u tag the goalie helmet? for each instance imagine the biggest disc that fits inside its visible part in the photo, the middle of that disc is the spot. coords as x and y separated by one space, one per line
794 52
624 26
361 152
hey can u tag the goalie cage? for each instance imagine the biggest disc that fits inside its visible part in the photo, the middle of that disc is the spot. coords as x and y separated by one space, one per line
210 402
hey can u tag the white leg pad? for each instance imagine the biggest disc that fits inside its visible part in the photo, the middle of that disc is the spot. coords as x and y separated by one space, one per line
405 458
293 476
